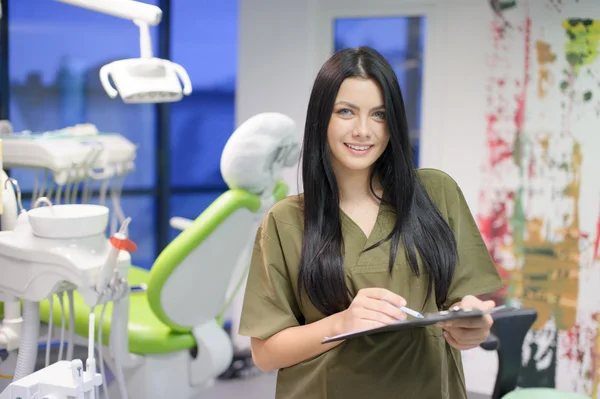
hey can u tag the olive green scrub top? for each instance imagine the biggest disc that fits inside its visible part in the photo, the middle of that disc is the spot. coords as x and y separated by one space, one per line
416 363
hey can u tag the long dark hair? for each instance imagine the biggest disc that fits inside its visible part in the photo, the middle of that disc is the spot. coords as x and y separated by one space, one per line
419 224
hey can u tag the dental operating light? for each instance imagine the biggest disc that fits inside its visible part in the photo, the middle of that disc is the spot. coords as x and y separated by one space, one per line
146 79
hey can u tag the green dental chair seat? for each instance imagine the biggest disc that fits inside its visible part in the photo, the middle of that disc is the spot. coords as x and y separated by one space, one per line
542 393
147 334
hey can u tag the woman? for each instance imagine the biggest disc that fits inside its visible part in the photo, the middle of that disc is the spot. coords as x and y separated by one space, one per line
370 233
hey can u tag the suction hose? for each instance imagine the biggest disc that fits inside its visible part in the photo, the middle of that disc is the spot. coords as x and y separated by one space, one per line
29 340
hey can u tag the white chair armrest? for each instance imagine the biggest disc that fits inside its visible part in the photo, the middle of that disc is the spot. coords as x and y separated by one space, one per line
180 223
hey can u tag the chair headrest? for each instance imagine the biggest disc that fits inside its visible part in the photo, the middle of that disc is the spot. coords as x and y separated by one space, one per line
257 152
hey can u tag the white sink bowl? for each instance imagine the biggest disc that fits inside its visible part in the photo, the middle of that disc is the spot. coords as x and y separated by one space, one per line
68 221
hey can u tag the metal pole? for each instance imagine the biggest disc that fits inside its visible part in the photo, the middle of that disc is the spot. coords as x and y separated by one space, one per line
163 143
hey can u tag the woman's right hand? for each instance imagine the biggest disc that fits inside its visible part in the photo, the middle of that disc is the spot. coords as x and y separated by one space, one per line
371 308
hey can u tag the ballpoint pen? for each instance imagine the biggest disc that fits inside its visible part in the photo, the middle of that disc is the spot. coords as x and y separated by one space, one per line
411 312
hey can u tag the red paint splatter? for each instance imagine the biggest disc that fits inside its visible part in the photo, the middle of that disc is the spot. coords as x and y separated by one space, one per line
580 341
495 226
531 169
520 114
497 30
571 344
500 150
597 242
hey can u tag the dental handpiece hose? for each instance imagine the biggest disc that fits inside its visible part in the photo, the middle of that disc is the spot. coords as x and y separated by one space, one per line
90 364
111 263
108 268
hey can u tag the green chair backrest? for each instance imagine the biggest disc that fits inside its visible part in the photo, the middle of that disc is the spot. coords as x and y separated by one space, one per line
190 277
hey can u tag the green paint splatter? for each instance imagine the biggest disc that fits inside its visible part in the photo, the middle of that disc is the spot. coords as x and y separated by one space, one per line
517 152
518 223
584 38
518 219
545 251
564 85
505 5
587 96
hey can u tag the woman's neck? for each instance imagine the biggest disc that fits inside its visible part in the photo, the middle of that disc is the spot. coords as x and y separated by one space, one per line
355 186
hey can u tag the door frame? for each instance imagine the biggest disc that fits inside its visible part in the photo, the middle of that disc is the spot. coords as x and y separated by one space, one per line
324 12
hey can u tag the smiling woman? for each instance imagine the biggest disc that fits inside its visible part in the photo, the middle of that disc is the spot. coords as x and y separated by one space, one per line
370 234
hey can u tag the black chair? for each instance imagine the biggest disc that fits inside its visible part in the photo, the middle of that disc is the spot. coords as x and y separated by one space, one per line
506 338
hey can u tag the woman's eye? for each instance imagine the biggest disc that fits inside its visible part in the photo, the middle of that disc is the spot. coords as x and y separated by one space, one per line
344 112
379 115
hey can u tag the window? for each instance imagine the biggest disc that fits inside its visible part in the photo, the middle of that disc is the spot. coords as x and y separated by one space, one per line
204 41
400 40
55 53
190 206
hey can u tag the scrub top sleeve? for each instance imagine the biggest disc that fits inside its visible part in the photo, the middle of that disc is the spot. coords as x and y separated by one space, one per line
269 303
475 273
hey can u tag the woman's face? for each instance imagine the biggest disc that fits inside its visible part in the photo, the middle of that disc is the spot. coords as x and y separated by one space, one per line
357 133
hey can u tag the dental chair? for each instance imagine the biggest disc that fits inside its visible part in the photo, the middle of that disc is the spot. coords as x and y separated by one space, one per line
177 346
506 338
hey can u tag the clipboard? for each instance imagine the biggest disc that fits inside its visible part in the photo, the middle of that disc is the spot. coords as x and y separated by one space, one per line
428 319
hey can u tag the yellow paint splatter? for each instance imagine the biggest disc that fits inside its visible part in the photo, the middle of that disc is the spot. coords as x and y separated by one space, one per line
544 56
549 281
595 361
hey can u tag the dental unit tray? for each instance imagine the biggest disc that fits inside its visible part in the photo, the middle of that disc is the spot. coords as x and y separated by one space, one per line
60 150
428 319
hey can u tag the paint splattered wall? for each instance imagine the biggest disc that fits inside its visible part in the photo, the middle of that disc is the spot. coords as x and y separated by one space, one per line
540 192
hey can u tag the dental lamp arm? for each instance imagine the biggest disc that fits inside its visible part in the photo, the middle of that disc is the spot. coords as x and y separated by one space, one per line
126 9
145 41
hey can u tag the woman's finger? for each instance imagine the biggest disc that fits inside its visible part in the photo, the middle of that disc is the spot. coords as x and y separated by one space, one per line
372 315
383 295
473 323
468 336
384 307
450 339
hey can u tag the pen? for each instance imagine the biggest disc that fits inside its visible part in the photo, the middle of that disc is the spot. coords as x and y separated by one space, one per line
411 312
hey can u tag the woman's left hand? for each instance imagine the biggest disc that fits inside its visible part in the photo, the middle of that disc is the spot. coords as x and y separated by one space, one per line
465 334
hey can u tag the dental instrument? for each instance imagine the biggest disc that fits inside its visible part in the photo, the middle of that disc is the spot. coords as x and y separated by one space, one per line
139 80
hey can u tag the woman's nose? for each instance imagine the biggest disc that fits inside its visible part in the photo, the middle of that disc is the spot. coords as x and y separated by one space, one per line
362 129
